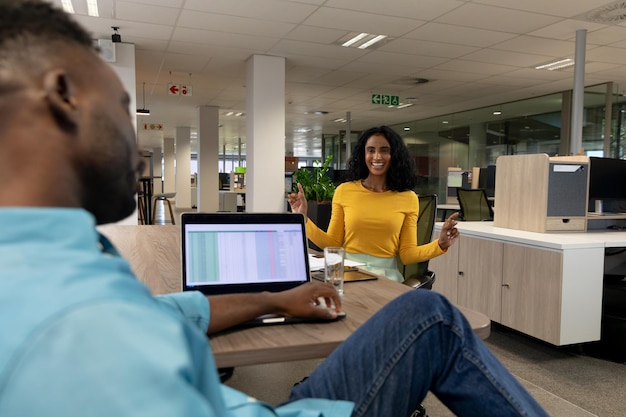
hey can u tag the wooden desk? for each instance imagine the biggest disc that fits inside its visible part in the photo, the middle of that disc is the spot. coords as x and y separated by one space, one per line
154 254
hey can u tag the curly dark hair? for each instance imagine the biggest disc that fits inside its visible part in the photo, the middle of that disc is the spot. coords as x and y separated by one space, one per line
401 175
26 24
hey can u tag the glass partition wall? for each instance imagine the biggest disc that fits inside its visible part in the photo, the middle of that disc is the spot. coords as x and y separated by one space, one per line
476 138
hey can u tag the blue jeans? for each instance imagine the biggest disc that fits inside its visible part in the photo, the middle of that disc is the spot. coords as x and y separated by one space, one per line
418 342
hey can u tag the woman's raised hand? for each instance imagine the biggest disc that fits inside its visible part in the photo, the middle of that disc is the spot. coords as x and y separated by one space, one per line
297 201
449 233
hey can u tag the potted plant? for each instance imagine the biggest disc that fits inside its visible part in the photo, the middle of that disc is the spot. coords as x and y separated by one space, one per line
318 189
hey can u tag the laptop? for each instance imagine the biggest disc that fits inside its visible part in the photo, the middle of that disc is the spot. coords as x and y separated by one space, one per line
224 253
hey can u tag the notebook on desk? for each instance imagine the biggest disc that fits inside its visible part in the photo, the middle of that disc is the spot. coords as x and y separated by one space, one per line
225 253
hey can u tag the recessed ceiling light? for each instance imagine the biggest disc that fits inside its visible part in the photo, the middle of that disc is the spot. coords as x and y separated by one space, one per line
497 113
68 7
92 8
372 41
551 66
354 39
361 40
445 122
406 128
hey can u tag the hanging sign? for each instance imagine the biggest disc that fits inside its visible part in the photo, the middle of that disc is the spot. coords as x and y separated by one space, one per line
152 126
173 89
186 90
179 89
385 99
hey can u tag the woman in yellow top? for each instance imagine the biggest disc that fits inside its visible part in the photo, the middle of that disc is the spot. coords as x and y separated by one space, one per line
374 213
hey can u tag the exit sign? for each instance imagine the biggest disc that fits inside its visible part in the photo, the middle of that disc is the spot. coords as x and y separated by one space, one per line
385 99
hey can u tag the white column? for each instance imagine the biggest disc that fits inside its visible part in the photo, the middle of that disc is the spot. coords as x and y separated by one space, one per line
169 165
576 144
183 167
208 158
265 127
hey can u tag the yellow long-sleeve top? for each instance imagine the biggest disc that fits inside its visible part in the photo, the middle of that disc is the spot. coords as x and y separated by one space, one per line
377 224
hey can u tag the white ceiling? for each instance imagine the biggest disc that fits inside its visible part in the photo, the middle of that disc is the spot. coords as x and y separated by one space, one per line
475 53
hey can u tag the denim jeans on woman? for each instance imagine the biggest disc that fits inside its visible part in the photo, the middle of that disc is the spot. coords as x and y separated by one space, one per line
418 342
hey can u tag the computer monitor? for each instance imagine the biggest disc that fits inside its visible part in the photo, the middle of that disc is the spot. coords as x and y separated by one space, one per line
487 180
224 180
607 182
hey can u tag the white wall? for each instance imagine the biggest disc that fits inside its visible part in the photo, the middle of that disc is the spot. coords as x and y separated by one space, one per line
124 67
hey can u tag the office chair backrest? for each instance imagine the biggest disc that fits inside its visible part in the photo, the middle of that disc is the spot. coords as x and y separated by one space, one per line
423 278
426 218
474 204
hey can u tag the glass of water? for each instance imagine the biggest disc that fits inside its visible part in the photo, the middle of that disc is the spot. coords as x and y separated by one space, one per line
333 266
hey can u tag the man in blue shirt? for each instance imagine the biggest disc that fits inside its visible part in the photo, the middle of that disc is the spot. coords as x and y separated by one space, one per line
82 337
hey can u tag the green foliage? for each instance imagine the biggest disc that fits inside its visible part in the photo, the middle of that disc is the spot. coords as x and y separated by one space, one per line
317 186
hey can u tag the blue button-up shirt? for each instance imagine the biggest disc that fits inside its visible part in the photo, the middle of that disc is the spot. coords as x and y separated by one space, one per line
80 336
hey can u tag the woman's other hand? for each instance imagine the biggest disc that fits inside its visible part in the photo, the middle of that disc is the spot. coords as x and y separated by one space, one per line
449 233
297 201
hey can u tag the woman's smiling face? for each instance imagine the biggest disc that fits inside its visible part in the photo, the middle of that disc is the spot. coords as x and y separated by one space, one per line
377 155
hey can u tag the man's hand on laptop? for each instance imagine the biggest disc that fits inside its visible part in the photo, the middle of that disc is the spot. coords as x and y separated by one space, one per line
312 299
309 300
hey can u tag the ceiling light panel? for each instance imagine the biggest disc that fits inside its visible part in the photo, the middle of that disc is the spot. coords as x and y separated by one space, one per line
362 40
92 8
95 8
67 6
551 66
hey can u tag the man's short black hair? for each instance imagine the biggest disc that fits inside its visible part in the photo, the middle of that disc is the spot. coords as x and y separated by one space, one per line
23 20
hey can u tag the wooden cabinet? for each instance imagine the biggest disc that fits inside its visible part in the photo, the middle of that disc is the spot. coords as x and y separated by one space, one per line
551 294
531 283
547 285
446 268
470 275
480 276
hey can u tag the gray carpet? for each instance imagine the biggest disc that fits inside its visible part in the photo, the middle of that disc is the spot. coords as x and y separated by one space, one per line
564 381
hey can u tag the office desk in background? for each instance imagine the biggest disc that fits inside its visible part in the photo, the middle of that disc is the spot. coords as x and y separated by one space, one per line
154 254
546 285
447 209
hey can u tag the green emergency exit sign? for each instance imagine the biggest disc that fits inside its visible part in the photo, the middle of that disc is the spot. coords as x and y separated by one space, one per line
385 99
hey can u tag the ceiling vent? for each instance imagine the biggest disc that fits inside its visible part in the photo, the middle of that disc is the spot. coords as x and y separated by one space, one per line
611 13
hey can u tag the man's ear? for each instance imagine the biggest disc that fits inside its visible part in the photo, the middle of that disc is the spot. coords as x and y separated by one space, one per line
61 97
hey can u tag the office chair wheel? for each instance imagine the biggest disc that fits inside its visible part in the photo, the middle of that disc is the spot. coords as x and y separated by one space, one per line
420 411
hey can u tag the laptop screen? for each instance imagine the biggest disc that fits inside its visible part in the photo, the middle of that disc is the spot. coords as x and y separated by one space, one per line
243 252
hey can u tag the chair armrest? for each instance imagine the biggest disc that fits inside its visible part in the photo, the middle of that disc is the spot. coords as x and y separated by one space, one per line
425 280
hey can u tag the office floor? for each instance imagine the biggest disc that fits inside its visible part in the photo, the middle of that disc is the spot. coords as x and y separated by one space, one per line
566 381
